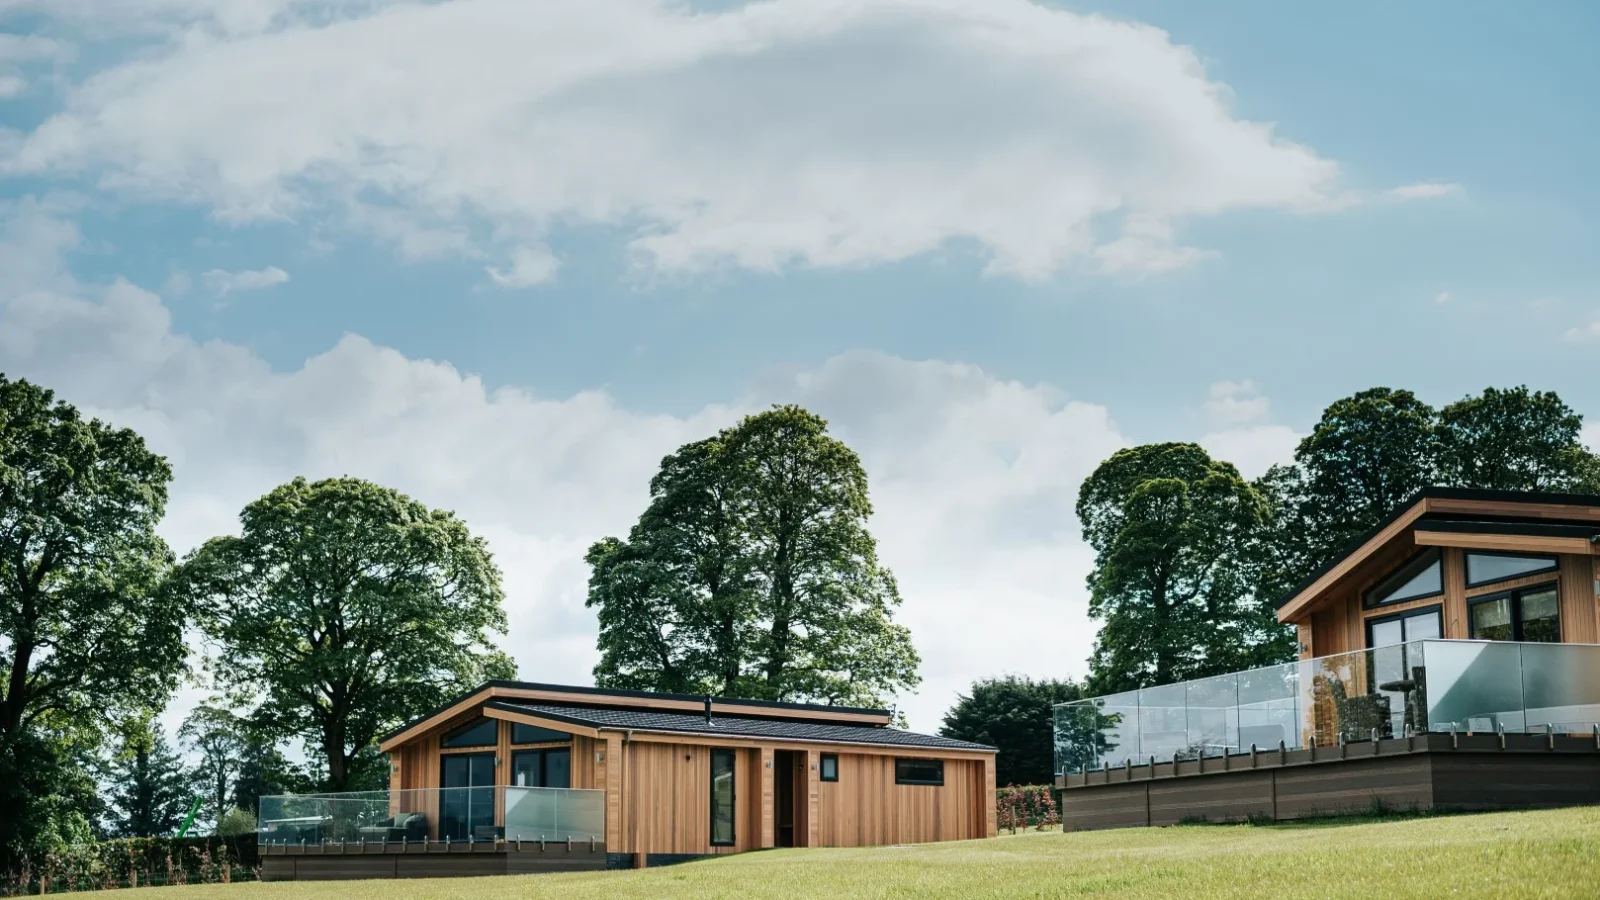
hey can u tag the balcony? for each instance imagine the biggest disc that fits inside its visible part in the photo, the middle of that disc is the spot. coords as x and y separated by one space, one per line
1398 691
443 815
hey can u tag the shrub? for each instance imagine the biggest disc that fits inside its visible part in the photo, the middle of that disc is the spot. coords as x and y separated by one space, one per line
135 862
235 822
1026 806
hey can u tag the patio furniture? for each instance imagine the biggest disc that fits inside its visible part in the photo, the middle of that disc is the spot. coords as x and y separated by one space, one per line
411 826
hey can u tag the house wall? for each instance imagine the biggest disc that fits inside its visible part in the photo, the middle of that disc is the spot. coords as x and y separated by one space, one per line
1337 624
866 808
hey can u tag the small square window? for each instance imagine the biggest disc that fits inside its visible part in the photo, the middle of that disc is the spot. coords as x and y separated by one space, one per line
830 767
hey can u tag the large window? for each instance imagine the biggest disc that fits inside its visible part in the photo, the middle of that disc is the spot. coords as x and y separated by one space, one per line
722 797
1532 614
1419 577
919 771
477 733
466 804
1487 568
542 768
1411 625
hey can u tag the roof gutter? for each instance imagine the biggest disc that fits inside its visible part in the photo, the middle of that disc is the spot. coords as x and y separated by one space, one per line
628 736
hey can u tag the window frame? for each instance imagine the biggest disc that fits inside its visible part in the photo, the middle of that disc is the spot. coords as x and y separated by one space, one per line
444 739
732 757
544 765
1394 578
559 735
901 778
1466 566
822 767
1515 596
1434 608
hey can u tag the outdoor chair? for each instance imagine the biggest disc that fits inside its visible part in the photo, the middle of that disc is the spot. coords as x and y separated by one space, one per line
400 827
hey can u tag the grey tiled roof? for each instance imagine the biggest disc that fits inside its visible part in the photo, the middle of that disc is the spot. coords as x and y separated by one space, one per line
737 726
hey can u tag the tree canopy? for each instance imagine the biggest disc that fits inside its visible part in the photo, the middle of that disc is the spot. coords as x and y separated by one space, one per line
1171 529
752 574
150 789
86 634
1014 715
343 609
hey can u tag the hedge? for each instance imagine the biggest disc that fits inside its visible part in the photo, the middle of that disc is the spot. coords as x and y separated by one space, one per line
137 862
1026 806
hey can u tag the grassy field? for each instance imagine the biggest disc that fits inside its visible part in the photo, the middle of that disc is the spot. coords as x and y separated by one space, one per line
1532 854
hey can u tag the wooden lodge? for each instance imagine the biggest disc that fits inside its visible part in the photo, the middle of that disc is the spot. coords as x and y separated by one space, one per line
1447 659
527 777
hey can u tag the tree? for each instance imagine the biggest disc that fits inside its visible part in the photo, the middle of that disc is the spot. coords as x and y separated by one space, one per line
236 822
214 733
264 770
150 791
752 574
1169 526
346 608
1514 440
86 635
1015 715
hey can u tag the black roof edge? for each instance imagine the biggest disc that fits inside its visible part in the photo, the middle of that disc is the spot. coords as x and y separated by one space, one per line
1532 529
621 692
514 706
1435 493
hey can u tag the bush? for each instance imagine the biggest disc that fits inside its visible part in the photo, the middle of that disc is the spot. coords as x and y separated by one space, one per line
136 862
1026 806
236 822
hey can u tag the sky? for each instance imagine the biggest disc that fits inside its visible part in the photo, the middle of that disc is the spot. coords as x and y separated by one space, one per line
505 255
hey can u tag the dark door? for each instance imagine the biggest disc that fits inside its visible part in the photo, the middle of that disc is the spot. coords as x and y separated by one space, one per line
783 766
467 801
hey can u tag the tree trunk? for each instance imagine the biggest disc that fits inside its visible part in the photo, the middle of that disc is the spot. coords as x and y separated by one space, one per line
333 749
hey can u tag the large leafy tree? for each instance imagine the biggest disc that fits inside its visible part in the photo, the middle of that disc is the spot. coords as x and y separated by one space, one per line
86 633
1016 716
752 574
1170 527
150 789
344 608
87 636
1514 439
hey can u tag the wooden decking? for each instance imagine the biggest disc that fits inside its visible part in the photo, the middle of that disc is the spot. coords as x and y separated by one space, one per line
1434 771
432 859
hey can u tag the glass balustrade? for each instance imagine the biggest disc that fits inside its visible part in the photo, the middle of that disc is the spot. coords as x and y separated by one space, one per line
1384 692
444 814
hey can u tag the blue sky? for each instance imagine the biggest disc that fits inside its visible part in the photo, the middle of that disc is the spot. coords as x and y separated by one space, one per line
991 241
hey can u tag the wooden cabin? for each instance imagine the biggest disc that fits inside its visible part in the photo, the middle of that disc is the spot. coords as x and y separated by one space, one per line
1458 563
684 776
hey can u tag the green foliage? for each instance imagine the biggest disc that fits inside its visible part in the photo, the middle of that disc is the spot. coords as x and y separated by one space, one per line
1015 716
752 574
1515 440
87 637
46 797
136 862
344 608
85 634
236 822
150 789
215 735
263 769
1171 529
1026 806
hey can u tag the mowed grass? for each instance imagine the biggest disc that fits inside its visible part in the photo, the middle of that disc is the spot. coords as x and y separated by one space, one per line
1525 854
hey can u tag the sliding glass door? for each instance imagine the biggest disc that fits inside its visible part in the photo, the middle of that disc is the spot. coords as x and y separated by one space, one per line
467 801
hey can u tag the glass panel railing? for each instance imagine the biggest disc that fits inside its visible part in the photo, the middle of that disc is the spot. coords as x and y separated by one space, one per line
1386 692
443 814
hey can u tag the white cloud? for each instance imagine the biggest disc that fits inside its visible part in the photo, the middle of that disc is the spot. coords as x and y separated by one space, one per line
1587 332
1253 450
529 266
1426 190
223 283
973 477
1235 403
791 132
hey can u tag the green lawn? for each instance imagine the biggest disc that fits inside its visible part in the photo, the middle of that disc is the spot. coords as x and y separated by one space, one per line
1530 854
